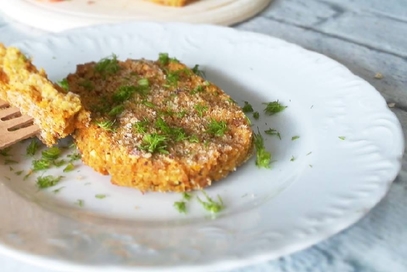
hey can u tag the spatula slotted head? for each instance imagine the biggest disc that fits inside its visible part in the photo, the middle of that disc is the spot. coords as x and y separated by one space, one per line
14 126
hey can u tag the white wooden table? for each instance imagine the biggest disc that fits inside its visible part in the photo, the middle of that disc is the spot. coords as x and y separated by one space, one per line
369 37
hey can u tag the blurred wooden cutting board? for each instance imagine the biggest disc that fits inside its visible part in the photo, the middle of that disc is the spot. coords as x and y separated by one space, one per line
59 16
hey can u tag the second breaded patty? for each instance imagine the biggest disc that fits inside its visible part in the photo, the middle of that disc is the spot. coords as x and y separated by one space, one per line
158 126
55 111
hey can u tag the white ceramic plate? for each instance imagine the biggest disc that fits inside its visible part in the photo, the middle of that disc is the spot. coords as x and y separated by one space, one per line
347 154
58 16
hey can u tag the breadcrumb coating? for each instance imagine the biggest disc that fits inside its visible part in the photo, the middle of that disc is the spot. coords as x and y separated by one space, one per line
158 126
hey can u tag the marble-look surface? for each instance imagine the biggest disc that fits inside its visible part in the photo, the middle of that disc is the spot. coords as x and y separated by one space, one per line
369 37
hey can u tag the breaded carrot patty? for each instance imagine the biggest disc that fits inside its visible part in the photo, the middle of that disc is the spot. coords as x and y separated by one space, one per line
158 125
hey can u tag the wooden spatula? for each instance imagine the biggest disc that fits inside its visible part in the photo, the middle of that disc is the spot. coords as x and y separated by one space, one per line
14 126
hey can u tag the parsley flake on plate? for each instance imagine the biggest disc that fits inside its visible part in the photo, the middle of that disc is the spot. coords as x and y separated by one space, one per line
80 203
263 157
51 153
197 71
273 107
247 107
256 115
48 181
272 132
56 191
211 205
100 196
180 206
32 148
70 167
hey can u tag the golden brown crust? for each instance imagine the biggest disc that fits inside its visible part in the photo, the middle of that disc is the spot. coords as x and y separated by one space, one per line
55 111
188 160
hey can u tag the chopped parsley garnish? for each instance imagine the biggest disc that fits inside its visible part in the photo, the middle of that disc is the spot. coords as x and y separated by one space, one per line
59 163
10 161
201 109
247 107
198 89
63 84
248 120
256 115
273 132
161 125
69 167
72 145
273 107
100 196
143 82
117 110
41 164
80 203
342 138
51 153
143 87
211 205
18 173
123 93
102 106
292 158
232 100
181 113
32 148
179 134
88 85
164 59
5 152
175 133
197 71
154 143
28 174
108 65
74 156
263 157
295 138
181 206
148 104
217 128
106 125
186 196
193 139
47 181
56 191
141 126
172 78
